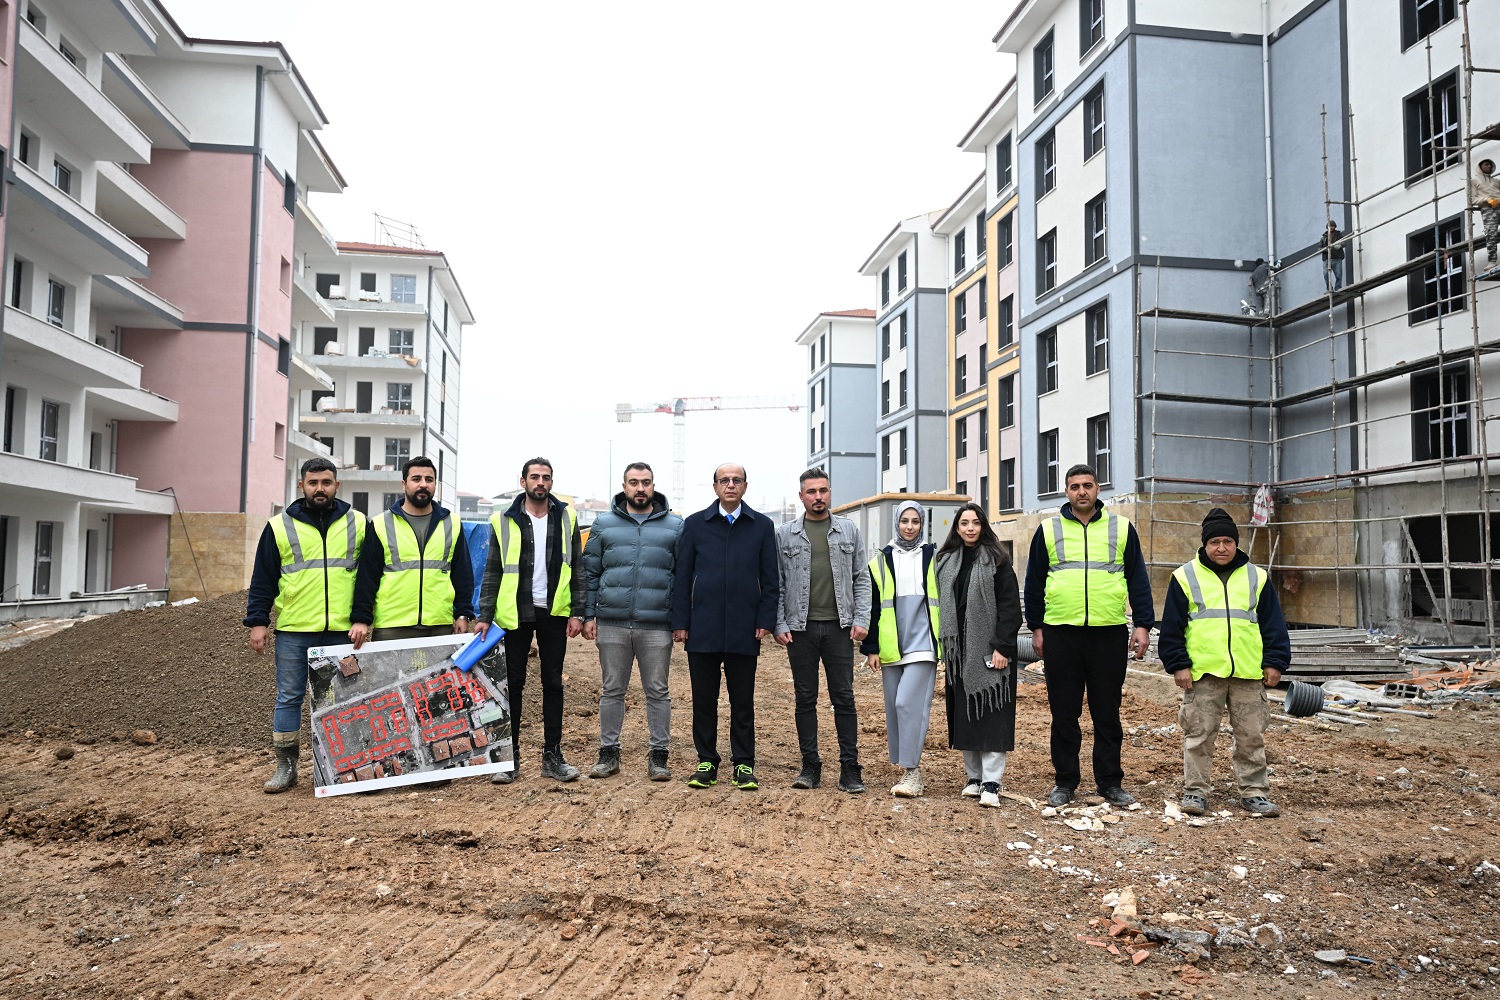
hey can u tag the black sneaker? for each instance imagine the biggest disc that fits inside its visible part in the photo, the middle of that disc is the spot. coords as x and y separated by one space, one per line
811 775
744 778
1059 796
851 779
706 776
1116 796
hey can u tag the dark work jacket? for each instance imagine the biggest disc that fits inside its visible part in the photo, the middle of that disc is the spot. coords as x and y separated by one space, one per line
1171 642
1137 576
726 583
494 565
372 567
265 577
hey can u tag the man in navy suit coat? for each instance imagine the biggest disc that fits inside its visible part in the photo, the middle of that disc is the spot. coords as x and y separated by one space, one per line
725 591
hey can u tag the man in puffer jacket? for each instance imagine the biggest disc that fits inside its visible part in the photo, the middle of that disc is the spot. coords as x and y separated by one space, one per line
1485 190
627 570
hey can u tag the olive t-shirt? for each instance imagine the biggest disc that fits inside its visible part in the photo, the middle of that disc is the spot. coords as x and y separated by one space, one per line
821 604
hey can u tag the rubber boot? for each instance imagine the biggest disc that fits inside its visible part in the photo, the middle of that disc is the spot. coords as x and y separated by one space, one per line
288 747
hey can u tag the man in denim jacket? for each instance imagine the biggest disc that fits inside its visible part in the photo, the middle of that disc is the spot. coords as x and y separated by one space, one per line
824 611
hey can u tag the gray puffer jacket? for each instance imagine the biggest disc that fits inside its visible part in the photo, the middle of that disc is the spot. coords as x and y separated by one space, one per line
627 566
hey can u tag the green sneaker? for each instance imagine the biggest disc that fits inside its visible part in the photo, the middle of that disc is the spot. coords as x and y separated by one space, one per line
706 776
744 778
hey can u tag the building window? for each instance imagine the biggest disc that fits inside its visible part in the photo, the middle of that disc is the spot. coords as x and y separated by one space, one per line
901 447
901 272
397 451
885 344
398 396
984 430
1046 361
367 281
1047 465
1096 338
901 325
984 492
1098 444
51 423
20 282
289 195
981 238
1008 484
1095 227
1093 122
984 359
284 356
961 488
27 148
959 251
984 297
1440 413
1008 401
62 177
278 441
812 398
961 374
1420 18
286 276
1431 126
41 574
1090 24
1046 263
57 302
960 312
361 501
1004 163
403 342
1046 163
812 440
961 441
823 349
1005 231
901 389
1007 335
885 453
885 397
404 288
389 500
1043 68
885 287
1438 287
812 357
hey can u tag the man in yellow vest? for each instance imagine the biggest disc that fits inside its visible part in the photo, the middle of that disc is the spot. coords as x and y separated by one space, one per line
304 567
1084 563
533 586
1224 640
415 576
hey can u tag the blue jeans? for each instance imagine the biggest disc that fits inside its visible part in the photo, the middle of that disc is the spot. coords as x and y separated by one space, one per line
292 676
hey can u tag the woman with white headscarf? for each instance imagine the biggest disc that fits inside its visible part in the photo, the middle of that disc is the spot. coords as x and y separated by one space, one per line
902 642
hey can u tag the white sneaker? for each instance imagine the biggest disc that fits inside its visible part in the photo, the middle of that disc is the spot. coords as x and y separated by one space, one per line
910 786
972 789
990 795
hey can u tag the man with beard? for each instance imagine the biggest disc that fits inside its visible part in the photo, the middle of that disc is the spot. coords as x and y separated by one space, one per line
627 569
415 578
824 610
304 565
531 587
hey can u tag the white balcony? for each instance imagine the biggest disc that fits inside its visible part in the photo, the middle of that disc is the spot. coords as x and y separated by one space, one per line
388 477
304 446
57 352
305 374
313 420
147 502
378 362
124 303
52 93
43 214
115 26
354 304
132 208
130 94
132 404
307 304
57 483
310 236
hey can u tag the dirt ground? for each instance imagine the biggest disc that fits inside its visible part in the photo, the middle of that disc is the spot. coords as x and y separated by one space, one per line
162 870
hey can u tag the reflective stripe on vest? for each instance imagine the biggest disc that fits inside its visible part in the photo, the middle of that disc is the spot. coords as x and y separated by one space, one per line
885 581
1223 631
414 591
316 587
507 614
1083 589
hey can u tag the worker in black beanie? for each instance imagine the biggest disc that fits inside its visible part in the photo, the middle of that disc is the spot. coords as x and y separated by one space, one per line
1224 641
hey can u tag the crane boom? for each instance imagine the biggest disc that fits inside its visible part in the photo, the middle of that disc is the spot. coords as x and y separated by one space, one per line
679 406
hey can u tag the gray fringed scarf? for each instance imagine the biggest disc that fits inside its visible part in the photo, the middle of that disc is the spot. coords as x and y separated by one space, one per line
984 689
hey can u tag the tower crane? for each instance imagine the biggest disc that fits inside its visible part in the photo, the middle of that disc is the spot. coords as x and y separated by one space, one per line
679 408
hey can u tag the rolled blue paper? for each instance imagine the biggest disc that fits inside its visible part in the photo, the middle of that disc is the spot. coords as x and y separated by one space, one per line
475 650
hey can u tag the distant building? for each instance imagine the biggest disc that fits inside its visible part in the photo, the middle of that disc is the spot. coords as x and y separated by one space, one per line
841 365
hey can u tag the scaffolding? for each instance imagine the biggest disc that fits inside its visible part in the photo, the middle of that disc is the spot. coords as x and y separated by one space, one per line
1332 549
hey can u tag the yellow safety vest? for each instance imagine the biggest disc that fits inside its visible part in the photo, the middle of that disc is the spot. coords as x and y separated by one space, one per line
417 585
1223 630
317 572
507 615
890 644
1086 570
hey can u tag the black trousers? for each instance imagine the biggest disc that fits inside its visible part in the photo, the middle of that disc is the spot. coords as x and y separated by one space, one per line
827 642
738 670
551 634
1086 659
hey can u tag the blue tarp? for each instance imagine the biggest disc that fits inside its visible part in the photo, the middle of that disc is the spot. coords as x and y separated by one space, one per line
477 534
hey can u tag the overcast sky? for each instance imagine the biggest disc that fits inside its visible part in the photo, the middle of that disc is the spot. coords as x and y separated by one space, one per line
641 201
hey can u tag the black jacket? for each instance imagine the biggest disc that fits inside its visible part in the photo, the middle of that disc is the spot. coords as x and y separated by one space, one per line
1137 576
372 568
1171 642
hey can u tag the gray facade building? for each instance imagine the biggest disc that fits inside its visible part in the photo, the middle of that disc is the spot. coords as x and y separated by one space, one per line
841 367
